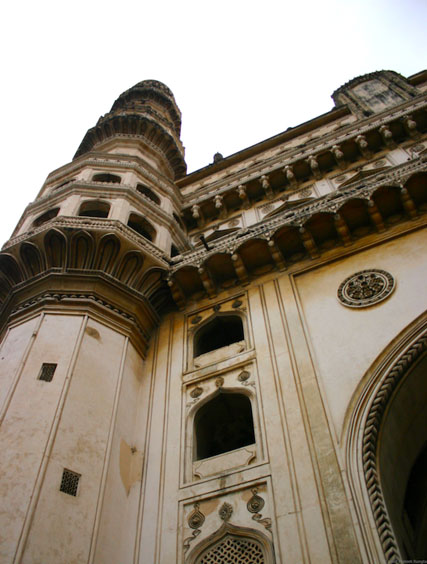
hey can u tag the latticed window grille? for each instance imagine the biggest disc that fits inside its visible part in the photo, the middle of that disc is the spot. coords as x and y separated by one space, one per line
47 371
69 482
233 550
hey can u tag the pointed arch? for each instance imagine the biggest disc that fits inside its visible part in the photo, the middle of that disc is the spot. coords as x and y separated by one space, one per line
82 250
10 269
31 258
56 249
383 440
108 249
248 544
129 267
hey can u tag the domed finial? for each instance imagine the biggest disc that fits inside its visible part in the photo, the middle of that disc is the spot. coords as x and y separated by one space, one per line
217 157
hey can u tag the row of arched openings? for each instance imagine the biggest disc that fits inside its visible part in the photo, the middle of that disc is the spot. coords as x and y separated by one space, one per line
109 178
100 209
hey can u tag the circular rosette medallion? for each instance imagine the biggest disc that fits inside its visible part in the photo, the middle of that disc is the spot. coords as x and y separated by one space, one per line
366 288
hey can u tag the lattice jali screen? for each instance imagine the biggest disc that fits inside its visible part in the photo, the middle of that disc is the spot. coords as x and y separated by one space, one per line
233 550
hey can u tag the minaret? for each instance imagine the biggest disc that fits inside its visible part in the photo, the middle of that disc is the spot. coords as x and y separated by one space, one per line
82 286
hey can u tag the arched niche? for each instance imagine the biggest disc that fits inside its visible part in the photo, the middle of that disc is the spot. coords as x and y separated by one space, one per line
45 217
94 208
231 543
386 450
139 224
148 193
107 177
222 424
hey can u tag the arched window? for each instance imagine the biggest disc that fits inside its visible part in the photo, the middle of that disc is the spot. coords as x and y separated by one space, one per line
149 193
223 424
94 208
142 226
46 216
233 544
233 549
178 220
222 331
106 177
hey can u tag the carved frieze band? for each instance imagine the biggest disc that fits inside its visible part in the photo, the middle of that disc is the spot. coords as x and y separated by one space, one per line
73 298
370 440
295 155
362 188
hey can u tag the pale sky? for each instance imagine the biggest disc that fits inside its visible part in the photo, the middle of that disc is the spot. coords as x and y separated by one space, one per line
241 71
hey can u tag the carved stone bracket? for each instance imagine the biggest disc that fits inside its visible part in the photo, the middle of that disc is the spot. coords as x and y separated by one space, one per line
255 506
195 521
225 512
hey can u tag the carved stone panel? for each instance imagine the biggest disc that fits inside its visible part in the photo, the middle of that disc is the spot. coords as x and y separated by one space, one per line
366 288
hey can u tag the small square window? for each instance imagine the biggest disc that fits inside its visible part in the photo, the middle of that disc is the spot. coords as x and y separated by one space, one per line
69 482
47 371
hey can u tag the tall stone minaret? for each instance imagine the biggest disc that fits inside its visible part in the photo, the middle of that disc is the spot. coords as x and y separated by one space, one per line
82 286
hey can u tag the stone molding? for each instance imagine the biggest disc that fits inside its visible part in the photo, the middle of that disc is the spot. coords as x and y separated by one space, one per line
371 431
98 190
312 149
133 163
85 223
136 126
362 188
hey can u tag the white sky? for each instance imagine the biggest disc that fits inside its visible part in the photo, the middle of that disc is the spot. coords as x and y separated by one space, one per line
241 71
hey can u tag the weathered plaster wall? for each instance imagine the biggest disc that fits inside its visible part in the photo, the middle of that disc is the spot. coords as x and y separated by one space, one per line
346 341
30 419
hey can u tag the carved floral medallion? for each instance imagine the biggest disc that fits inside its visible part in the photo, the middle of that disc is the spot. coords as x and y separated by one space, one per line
366 288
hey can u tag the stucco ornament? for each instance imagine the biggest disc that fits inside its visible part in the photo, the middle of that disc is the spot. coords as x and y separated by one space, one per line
366 288
225 511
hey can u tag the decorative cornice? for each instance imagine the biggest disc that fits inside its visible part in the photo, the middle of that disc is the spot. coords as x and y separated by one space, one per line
312 148
89 223
151 209
362 188
137 126
110 160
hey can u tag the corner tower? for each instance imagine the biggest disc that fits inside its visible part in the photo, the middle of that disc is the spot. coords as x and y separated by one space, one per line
82 286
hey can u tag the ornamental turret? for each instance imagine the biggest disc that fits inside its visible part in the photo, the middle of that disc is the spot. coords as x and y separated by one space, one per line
147 112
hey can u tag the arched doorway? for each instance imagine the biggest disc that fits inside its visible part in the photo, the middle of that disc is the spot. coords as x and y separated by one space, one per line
387 450
402 460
